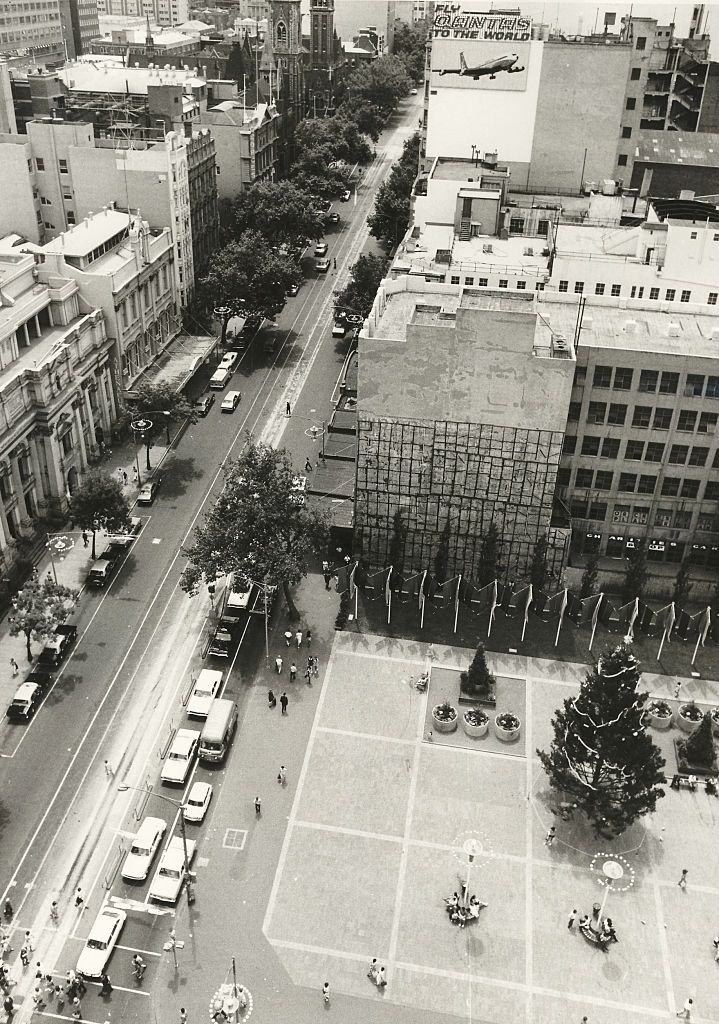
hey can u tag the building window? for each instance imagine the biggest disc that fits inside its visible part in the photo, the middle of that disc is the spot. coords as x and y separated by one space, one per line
563 286
640 43
598 511
634 450
66 442
687 420
640 514
694 385
648 380
482 282
602 376
574 411
62 164
584 478
563 474
597 412
578 508
617 414
642 416
654 293
569 444
685 295
708 422
711 491
590 445
603 480
610 447
623 378
626 133
678 454
670 486
622 160
698 456
503 282
580 376
578 287
690 489
39 163
599 288
706 522
620 515
70 217
469 281
670 294
712 299
627 482
454 279
616 290
521 286
636 74
516 224
712 390
669 383
631 103
663 517
646 484
654 452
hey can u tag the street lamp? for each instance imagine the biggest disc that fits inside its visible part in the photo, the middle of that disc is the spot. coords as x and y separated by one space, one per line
58 544
143 425
124 788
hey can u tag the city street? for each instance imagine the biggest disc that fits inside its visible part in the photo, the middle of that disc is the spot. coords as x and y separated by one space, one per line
118 696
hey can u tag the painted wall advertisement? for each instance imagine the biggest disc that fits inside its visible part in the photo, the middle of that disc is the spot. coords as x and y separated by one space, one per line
451 22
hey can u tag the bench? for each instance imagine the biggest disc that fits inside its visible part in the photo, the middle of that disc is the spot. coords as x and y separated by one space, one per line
594 937
688 781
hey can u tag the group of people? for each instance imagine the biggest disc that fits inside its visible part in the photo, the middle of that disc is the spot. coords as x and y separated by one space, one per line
313 668
598 930
376 974
462 911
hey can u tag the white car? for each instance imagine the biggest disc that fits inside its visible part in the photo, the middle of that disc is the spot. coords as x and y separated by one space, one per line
230 401
229 360
167 883
321 249
180 756
198 801
205 690
144 847
100 942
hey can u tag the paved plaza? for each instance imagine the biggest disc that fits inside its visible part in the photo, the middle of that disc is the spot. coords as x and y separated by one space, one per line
373 845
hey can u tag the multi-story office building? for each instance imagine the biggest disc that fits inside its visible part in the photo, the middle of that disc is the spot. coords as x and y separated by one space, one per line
80 25
31 26
246 144
124 268
56 385
160 12
137 47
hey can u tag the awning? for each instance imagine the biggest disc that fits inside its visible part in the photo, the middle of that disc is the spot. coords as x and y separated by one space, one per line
177 362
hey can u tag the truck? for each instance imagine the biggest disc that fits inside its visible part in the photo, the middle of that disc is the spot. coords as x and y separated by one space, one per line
58 645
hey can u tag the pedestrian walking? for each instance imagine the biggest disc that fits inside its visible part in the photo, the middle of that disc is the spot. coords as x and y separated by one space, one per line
686 1010
37 998
105 985
288 636
584 1020
298 638
271 700
124 478
283 702
85 539
282 775
4 983
677 688
278 665
334 262
14 666
8 1006
326 993
119 474
308 638
183 1015
49 987
682 883
24 956
372 970
308 465
29 941
328 579
572 919
258 807
39 973
549 838
293 672
381 978
315 666
76 1009
7 910
5 945
79 899
308 675
288 409
108 769
135 477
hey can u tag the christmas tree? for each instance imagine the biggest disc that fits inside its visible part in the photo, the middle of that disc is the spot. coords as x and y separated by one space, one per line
602 757
699 748
478 681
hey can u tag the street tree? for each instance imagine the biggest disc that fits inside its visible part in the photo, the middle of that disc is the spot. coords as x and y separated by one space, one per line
590 578
257 528
359 293
280 211
409 45
98 503
160 405
383 82
538 569
368 117
249 276
682 585
488 568
392 208
38 608
635 573
602 757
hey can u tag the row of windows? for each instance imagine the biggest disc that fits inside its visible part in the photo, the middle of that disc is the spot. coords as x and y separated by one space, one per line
649 451
621 378
643 416
637 291
483 282
638 483
666 518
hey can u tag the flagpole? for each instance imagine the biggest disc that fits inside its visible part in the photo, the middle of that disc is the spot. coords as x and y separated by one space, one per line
389 608
595 619
696 647
561 618
421 620
661 645
456 602
491 613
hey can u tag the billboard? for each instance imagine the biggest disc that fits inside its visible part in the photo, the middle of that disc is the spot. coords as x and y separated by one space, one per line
487 64
451 22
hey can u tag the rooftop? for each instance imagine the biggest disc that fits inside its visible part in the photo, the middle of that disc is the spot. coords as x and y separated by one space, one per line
107 75
448 169
483 252
90 233
695 149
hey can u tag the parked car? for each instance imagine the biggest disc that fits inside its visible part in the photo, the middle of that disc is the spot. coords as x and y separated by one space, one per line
100 942
230 401
203 404
293 289
338 329
229 360
204 692
144 847
58 645
414 92
321 249
346 196
104 567
180 756
149 490
27 699
197 802
322 266
334 217
170 874
125 536
222 640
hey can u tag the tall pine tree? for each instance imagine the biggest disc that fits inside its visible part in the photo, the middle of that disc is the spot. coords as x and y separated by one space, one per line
601 756
488 568
635 574
538 569
590 578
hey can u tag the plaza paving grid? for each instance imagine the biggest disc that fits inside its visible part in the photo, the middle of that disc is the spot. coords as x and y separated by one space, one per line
371 849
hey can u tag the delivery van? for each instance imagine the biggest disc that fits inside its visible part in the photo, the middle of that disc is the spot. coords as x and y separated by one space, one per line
218 730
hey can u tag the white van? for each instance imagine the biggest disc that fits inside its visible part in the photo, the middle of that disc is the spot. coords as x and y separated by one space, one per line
220 377
218 730
143 849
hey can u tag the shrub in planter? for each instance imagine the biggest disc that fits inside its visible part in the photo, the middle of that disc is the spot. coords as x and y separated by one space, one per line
659 714
475 722
478 682
506 727
699 748
689 716
444 717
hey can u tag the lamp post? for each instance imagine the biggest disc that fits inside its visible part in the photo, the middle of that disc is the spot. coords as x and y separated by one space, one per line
58 544
179 806
143 425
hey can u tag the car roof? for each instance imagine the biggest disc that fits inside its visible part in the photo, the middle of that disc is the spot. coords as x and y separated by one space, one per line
184 738
208 675
25 691
230 394
105 921
199 786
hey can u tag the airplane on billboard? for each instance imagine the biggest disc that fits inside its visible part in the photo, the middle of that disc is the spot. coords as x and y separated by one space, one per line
489 68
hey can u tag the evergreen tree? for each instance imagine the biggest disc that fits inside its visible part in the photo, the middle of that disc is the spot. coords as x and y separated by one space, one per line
538 569
396 549
488 567
602 756
441 558
477 681
635 574
699 748
590 578
682 586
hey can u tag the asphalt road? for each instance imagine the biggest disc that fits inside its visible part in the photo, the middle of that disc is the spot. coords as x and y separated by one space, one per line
119 694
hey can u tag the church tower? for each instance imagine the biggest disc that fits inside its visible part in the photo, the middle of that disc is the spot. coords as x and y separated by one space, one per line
321 34
283 60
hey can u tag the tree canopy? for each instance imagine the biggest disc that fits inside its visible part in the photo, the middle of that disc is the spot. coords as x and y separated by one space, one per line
100 503
365 277
38 608
602 756
336 138
635 574
161 404
249 276
488 567
383 82
257 527
410 45
392 208
281 211
367 116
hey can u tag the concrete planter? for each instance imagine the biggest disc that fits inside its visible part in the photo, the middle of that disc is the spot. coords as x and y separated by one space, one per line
659 715
478 726
505 730
444 718
686 723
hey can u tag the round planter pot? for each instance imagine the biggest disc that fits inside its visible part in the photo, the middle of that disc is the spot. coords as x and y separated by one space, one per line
686 724
440 725
658 722
477 731
506 735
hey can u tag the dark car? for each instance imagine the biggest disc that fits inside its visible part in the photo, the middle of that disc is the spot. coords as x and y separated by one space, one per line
58 646
293 289
204 404
334 217
346 196
103 568
149 490
222 640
